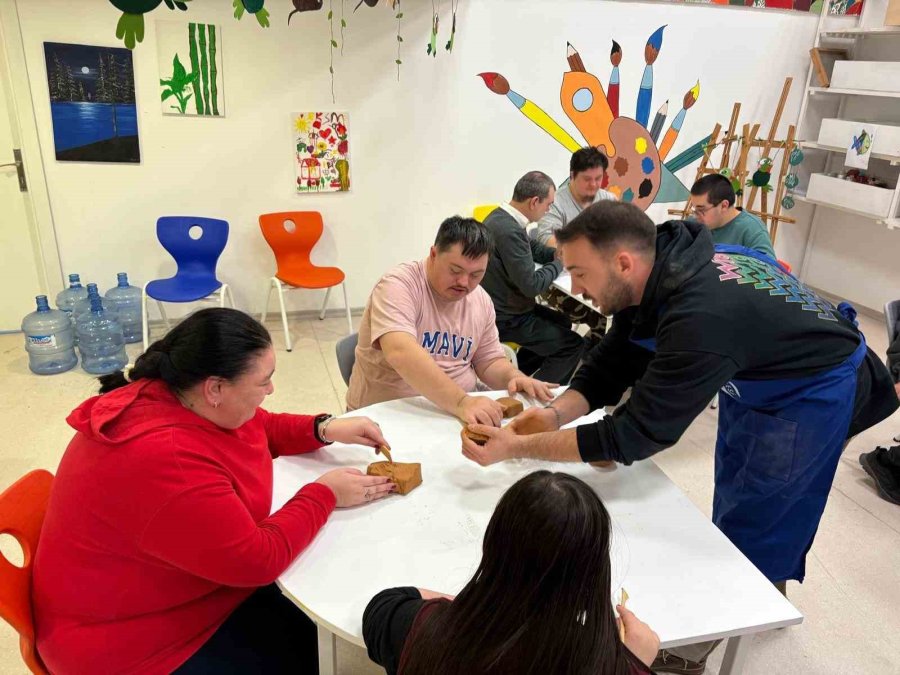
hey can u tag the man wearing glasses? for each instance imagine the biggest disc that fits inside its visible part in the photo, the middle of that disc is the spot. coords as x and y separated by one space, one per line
713 202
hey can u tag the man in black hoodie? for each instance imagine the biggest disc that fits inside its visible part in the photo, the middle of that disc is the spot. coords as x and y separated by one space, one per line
689 320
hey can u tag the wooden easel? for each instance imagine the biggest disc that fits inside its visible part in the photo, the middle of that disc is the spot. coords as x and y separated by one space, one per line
704 168
772 218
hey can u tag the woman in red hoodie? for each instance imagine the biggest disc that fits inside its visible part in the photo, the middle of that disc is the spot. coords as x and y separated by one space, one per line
158 552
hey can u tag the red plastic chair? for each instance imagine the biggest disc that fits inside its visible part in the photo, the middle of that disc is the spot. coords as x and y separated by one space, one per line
22 509
786 265
292 235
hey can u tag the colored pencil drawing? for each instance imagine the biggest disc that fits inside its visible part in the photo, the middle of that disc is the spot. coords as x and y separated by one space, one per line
638 172
322 152
190 68
92 103
838 7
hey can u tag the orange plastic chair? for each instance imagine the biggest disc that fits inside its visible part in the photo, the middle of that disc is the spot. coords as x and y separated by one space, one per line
292 235
22 509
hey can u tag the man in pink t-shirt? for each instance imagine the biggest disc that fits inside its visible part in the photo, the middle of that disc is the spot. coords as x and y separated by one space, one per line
429 329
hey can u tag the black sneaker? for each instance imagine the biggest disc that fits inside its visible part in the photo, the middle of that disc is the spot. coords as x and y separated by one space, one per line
666 662
886 476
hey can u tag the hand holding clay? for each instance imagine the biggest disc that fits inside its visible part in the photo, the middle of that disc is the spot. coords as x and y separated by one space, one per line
352 487
501 444
355 431
535 420
640 639
406 476
479 410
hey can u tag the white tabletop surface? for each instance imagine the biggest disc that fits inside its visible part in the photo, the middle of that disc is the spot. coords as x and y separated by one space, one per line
683 576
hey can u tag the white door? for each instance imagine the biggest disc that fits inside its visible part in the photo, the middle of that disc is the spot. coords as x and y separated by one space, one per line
21 269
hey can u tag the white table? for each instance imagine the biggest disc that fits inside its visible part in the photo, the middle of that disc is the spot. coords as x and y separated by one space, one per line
684 578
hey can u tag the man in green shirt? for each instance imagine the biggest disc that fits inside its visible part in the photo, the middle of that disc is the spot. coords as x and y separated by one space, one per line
713 200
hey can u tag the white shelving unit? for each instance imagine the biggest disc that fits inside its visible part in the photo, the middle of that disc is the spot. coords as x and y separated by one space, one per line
880 205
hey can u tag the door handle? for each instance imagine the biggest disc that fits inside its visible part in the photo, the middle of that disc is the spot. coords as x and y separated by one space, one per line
20 169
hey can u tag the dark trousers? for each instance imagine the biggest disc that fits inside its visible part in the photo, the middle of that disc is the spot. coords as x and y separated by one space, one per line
267 633
551 350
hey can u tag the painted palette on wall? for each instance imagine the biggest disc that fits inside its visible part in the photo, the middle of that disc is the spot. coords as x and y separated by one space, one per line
92 103
322 152
838 7
190 68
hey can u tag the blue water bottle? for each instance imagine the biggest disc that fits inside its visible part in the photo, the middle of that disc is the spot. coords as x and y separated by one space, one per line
66 299
127 301
49 339
100 339
84 306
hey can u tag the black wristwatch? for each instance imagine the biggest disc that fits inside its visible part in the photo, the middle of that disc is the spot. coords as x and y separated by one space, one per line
317 424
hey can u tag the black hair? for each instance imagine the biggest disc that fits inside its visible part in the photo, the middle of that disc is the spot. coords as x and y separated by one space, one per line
533 184
540 600
587 158
608 223
215 342
475 239
717 188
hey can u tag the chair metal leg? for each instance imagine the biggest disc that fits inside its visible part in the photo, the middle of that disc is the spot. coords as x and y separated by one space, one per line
325 304
223 290
284 321
715 402
162 313
347 307
145 317
265 310
231 297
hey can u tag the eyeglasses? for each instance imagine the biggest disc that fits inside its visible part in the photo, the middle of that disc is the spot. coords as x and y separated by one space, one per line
700 210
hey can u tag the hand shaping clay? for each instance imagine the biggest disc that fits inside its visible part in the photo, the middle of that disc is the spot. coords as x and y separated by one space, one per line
511 406
478 439
384 450
532 425
407 477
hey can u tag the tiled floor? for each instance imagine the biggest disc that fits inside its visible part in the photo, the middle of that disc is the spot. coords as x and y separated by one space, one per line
851 598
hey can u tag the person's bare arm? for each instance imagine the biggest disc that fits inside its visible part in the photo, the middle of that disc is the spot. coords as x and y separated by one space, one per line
421 373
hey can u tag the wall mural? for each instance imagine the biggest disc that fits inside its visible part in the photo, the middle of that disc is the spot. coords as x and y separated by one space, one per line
638 171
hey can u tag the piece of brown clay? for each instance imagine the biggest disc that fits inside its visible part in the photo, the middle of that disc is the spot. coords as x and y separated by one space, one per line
604 464
384 450
406 476
511 406
475 437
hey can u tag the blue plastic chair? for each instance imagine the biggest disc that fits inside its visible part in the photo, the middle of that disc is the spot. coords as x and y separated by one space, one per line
195 279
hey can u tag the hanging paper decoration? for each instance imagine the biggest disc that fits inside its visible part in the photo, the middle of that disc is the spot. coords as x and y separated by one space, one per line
431 48
449 46
734 180
762 175
305 6
254 7
130 28
792 180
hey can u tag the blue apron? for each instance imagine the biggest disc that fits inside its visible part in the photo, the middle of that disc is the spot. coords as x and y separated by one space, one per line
777 450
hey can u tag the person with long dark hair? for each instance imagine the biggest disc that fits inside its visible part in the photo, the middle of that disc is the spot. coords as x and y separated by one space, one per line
158 552
539 602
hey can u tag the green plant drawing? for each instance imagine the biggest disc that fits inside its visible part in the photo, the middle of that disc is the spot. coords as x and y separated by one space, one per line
176 85
204 66
213 70
195 66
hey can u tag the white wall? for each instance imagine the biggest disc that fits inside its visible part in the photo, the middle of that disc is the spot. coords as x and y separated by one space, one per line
434 144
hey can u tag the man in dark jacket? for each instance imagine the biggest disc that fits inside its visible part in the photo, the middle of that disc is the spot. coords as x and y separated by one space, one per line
689 320
883 464
550 349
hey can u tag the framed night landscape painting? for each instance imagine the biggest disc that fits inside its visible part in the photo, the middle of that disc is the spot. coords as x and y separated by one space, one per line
92 103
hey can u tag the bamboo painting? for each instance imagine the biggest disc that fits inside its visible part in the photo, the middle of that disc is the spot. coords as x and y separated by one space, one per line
197 77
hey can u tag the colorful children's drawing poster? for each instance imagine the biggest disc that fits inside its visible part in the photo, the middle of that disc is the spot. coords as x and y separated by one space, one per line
838 7
190 68
322 152
858 152
92 103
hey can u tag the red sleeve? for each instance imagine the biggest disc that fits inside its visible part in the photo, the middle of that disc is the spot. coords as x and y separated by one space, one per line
207 530
289 434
